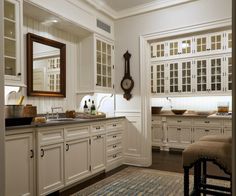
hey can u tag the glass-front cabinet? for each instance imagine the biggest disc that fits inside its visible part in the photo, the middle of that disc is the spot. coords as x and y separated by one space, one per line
104 64
13 42
200 64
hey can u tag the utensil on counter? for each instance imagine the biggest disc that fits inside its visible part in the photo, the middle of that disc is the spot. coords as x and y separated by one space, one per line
156 109
14 111
178 112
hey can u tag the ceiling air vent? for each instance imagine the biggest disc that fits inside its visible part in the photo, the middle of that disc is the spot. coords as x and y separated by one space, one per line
103 26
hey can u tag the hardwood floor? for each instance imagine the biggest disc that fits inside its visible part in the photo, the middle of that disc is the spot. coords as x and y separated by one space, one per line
161 160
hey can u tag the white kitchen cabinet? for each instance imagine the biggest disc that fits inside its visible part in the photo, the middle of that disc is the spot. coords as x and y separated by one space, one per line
200 132
50 160
114 144
228 41
13 42
96 69
228 73
50 168
157 134
172 135
77 160
98 153
19 163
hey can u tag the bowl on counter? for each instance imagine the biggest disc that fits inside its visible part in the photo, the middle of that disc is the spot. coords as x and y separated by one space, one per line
156 109
178 111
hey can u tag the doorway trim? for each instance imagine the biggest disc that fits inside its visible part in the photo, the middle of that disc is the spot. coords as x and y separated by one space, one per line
145 85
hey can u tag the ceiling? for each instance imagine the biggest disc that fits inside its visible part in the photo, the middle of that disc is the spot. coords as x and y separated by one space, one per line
117 9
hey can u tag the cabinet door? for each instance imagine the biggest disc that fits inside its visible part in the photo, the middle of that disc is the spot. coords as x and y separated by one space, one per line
160 79
173 48
104 64
228 41
185 134
19 164
174 77
153 81
173 135
185 79
201 44
216 74
201 75
227 131
98 153
216 41
186 46
157 134
12 38
228 73
200 132
50 168
77 160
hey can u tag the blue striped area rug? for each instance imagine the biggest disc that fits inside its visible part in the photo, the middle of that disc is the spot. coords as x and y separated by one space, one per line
134 181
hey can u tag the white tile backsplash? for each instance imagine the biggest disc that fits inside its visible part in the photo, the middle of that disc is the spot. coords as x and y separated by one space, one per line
203 103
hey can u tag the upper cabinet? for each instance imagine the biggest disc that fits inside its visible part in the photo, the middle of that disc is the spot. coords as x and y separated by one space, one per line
13 46
199 64
95 72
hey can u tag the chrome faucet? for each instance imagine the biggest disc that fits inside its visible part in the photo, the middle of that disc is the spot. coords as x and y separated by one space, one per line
56 114
170 102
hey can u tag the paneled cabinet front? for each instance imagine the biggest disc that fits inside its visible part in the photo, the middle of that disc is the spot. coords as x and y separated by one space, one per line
13 45
19 163
96 71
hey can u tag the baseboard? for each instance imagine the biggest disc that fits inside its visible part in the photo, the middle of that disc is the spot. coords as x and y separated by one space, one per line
137 161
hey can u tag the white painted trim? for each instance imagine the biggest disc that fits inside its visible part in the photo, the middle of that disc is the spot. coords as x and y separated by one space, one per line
145 85
140 9
2 121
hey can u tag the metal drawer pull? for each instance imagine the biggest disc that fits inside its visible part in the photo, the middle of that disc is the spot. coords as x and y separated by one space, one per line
98 127
99 136
179 129
114 156
42 153
32 154
207 130
114 125
114 136
67 147
207 121
114 146
179 121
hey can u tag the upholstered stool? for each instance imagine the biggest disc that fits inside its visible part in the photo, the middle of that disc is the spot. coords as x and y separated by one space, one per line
217 138
197 154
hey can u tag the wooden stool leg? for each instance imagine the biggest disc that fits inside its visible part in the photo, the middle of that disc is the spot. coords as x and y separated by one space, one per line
186 181
204 174
197 178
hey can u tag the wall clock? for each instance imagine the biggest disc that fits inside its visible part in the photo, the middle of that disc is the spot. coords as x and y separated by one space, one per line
127 82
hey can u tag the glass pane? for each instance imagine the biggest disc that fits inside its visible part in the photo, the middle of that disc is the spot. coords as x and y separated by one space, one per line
108 49
109 71
99 45
99 59
10 66
104 72
9 29
104 49
104 61
104 81
108 60
10 48
99 70
9 10
109 82
99 80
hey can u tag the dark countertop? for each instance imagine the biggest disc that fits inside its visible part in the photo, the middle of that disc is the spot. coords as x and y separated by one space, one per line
66 122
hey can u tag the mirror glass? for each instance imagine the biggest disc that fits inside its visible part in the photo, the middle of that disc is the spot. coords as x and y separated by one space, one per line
45 67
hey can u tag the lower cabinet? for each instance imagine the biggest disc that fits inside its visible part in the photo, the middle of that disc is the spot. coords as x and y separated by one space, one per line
50 168
98 153
19 163
77 160
179 132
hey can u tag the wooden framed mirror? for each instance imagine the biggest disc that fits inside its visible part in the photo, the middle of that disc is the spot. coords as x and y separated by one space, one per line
46 67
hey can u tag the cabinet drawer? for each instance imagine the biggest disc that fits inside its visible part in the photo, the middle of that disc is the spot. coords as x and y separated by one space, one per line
50 136
114 126
156 120
179 121
113 138
228 123
97 128
76 132
206 122
114 157
114 148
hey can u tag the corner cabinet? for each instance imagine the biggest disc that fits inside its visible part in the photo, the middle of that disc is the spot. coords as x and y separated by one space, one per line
96 67
199 64
13 42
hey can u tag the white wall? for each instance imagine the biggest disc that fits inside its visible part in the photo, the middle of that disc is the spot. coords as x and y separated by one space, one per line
128 30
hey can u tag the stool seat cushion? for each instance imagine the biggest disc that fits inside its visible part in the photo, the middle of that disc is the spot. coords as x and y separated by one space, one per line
220 152
217 138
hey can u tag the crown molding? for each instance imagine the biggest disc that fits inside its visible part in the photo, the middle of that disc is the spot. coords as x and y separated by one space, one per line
135 10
